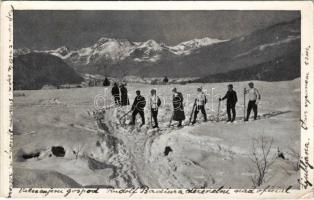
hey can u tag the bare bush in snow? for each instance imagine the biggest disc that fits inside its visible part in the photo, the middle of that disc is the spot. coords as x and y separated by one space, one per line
77 150
261 159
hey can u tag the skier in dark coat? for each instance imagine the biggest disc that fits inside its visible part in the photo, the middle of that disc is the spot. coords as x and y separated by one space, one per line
115 91
124 95
106 82
232 99
178 110
138 107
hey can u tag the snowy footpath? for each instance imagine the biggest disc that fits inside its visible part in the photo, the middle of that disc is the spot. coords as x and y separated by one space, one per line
61 139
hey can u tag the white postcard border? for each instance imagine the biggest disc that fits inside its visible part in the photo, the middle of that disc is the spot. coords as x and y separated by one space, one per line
306 8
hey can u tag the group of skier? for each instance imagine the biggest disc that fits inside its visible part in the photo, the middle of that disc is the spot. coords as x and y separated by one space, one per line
231 96
120 95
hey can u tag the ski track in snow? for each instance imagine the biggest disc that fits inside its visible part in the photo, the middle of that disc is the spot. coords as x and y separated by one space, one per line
207 154
140 142
141 145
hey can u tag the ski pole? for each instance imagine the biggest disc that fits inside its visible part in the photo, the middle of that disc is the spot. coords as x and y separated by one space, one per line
171 119
151 116
218 110
125 114
193 109
244 91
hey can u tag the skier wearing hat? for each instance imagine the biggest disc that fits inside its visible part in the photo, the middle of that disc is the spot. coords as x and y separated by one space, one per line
254 96
124 95
138 107
232 99
200 105
178 110
154 104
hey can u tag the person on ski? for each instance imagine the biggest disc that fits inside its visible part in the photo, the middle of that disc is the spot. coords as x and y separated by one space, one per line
124 95
254 95
154 104
200 105
232 99
138 107
178 108
115 91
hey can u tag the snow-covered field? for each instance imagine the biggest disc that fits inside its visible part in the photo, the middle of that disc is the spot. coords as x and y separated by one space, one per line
99 152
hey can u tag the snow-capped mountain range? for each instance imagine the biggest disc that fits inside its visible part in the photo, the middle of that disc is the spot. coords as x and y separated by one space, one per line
111 50
271 53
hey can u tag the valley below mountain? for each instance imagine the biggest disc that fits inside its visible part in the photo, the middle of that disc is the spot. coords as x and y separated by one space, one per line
270 54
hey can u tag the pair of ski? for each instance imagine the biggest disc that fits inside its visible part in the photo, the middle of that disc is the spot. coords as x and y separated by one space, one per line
124 116
191 115
195 106
151 117
193 110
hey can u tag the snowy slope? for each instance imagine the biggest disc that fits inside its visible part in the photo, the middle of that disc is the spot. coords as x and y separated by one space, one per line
188 46
34 70
208 154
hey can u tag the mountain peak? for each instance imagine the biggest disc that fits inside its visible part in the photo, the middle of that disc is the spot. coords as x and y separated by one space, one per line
151 44
201 42
104 39
186 47
61 50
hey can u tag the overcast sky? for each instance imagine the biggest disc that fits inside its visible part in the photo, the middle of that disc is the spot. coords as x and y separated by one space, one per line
76 29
